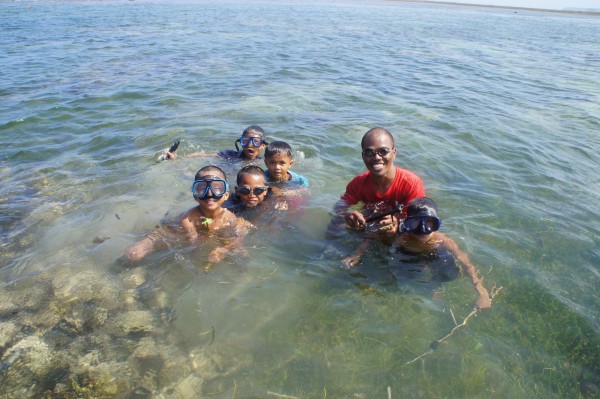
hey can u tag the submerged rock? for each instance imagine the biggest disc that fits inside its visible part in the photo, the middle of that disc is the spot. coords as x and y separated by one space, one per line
134 322
41 321
189 387
30 353
83 318
7 306
217 363
99 239
24 365
89 286
19 297
147 357
109 379
175 366
134 278
8 332
79 286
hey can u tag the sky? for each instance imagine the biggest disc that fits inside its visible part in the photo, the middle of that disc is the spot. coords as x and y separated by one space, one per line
548 4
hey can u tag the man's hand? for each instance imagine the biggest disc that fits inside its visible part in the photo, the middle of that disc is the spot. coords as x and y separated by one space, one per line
355 219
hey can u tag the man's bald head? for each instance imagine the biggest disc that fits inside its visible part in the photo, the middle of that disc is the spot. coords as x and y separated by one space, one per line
376 131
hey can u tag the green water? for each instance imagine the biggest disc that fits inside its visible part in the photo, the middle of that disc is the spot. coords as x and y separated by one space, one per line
497 112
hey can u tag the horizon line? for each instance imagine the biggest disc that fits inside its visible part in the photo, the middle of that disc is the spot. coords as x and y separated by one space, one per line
452 3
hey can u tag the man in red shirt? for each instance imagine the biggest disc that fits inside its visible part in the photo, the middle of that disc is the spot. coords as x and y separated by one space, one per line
383 187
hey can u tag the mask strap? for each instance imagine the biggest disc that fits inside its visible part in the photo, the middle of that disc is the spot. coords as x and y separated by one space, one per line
236 144
401 228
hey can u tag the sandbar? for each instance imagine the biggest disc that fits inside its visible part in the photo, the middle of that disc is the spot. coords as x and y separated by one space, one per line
516 9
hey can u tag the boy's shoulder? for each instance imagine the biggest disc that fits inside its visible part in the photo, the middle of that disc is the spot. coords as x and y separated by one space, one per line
296 179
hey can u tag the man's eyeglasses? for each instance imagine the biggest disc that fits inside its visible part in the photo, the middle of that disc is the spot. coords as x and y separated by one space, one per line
256 141
382 152
256 190
218 188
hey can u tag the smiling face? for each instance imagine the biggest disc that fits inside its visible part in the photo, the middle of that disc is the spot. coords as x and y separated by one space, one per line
210 203
374 146
248 183
251 151
278 165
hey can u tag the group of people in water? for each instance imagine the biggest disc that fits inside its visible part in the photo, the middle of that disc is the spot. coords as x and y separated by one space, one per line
395 209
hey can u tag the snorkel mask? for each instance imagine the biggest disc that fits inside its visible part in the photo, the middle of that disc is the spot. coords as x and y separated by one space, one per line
421 217
245 141
217 186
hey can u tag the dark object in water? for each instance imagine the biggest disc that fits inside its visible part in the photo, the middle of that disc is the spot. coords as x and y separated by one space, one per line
101 238
172 149
436 267
117 216
175 146
379 215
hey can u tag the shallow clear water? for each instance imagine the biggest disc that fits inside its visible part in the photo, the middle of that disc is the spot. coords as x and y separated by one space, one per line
497 111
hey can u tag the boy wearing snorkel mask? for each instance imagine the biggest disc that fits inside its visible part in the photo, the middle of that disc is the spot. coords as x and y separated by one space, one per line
210 190
252 143
418 234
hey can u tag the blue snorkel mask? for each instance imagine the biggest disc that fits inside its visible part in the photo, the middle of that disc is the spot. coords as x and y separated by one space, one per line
421 218
217 187
245 141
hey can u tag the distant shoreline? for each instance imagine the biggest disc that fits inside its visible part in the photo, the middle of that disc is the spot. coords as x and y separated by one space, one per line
449 3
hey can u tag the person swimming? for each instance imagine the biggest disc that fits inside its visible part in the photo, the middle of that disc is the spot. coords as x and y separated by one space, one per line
426 254
252 141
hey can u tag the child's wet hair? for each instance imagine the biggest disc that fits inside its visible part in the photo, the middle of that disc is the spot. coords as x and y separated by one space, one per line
250 170
278 148
421 206
254 129
210 170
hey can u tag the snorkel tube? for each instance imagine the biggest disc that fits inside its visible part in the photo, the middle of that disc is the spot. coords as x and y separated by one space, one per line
172 149
379 215
373 226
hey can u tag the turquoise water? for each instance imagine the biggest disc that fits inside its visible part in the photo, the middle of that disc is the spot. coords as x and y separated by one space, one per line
497 112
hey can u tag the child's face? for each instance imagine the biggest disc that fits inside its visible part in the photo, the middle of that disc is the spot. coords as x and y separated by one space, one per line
250 150
248 184
278 166
210 202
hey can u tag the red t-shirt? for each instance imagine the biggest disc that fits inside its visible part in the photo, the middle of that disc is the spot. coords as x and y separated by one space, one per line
406 187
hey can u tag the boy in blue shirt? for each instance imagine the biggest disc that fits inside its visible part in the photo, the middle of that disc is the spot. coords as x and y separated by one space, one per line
279 160
283 182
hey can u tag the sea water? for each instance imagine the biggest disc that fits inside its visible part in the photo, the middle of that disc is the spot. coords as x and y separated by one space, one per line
497 111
